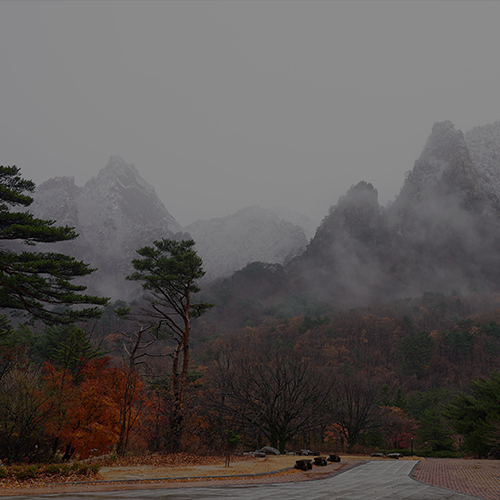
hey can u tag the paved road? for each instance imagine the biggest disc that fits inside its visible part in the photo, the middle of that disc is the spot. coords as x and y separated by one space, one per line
375 480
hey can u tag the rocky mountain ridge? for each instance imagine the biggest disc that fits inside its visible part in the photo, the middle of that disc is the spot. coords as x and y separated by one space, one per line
114 214
441 233
117 212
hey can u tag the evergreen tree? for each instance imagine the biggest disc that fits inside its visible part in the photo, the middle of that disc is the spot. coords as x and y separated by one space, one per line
476 415
170 271
385 396
66 346
400 400
38 282
434 430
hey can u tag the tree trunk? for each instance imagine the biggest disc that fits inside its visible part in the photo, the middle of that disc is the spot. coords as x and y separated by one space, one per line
283 439
176 423
179 383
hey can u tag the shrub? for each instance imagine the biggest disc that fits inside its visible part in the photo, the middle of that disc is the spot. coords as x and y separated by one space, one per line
89 469
84 469
25 472
51 469
65 470
438 454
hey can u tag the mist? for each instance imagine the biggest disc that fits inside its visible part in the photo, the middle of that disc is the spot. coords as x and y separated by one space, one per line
441 234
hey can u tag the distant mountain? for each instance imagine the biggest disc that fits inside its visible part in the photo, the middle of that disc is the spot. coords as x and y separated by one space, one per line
118 212
449 231
345 261
297 219
229 243
441 233
115 213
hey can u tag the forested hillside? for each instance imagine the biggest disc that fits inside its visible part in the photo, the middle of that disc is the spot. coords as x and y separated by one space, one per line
383 333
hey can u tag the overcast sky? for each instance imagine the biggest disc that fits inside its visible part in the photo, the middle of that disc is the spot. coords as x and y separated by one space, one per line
223 105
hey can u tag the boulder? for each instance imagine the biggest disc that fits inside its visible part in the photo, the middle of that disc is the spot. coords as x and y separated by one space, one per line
269 450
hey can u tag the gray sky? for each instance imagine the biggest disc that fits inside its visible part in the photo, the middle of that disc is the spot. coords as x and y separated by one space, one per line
222 105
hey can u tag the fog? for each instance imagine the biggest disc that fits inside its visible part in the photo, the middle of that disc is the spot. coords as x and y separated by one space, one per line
441 234
223 105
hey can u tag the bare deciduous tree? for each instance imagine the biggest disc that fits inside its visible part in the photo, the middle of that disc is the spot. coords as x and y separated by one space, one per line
354 405
274 392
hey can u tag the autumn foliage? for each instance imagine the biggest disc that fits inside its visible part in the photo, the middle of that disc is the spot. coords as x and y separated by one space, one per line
84 415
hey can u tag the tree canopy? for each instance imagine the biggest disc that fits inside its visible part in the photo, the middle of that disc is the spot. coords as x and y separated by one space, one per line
39 283
170 271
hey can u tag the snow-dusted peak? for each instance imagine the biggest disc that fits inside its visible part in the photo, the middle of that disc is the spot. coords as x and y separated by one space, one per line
115 213
229 243
117 167
117 163
59 183
119 190
297 219
122 175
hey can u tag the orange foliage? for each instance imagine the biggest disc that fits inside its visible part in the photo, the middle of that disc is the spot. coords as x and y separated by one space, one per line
85 414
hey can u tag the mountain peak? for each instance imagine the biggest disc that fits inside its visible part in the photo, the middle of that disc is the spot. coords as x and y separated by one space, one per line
443 173
122 175
117 165
120 191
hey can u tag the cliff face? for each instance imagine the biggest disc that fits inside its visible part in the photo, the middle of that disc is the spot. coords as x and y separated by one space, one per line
483 144
120 212
443 177
435 215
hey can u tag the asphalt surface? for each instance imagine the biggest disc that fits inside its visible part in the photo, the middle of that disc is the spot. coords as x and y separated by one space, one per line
374 480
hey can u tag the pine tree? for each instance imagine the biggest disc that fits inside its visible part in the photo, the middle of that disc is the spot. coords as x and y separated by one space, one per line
170 271
39 283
